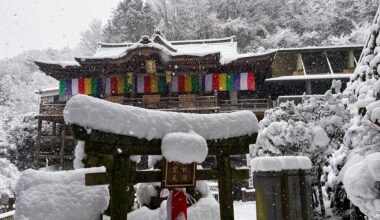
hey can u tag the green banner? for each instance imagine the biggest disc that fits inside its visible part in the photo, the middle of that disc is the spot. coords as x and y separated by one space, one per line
127 87
62 87
94 86
161 84
195 83
230 82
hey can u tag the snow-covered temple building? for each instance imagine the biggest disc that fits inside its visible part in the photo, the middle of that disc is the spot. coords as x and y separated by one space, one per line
199 76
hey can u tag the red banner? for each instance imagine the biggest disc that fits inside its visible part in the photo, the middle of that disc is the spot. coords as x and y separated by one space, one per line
146 84
181 83
113 85
81 86
251 81
215 82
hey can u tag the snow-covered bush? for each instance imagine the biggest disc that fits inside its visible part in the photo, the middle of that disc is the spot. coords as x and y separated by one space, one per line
9 175
21 140
314 128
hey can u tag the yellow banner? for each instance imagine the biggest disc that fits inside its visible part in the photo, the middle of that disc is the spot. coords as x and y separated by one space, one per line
153 84
120 85
87 86
187 83
223 82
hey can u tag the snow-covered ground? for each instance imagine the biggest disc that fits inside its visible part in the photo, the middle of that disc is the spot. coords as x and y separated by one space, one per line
243 211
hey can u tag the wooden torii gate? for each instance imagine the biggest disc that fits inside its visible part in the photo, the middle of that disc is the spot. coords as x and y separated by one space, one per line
113 151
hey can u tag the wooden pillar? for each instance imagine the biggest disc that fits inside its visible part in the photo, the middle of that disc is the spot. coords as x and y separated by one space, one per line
38 143
308 87
225 187
121 189
351 60
54 130
63 144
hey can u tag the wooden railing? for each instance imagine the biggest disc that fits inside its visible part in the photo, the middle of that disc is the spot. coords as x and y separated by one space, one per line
186 103
7 215
249 104
51 109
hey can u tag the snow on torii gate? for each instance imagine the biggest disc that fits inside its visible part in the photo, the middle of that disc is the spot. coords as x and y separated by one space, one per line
113 133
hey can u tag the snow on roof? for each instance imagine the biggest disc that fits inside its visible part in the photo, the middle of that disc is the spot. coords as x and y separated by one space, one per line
227 48
319 48
48 91
109 52
307 77
279 163
202 41
63 64
102 115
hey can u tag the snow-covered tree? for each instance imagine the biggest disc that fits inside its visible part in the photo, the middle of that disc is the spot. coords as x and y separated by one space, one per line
8 177
90 38
314 128
354 168
130 20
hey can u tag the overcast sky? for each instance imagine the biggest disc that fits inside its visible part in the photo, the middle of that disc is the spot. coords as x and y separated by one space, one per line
40 24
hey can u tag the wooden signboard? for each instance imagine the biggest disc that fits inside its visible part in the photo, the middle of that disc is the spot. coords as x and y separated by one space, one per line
178 175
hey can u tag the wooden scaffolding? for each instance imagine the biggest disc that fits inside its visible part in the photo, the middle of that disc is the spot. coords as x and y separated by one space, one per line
54 145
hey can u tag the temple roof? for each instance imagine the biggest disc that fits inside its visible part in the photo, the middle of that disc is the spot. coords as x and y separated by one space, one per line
226 47
187 55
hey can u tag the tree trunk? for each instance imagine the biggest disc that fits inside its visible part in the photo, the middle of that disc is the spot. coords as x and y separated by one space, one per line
323 211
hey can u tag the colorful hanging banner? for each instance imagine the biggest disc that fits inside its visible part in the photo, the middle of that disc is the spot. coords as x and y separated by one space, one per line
230 82
68 87
179 83
161 84
74 86
140 84
153 84
89 86
62 87
175 83
208 82
195 83
81 86
223 82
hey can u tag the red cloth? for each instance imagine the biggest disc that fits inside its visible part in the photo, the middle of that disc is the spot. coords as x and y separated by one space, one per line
81 86
251 81
113 85
179 204
215 82
146 84
181 83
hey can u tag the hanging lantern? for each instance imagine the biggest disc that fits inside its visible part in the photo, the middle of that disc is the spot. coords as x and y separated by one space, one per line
168 77
150 66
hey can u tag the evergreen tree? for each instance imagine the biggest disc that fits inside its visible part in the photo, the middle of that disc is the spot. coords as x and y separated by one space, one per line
130 21
90 38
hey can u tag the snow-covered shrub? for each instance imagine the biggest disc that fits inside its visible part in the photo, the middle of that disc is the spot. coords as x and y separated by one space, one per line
9 175
315 128
20 140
